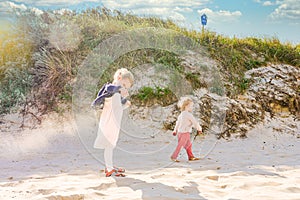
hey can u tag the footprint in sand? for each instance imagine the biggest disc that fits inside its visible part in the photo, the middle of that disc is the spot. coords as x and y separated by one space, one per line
71 197
104 186
214 178
8 185
241 174
45 191
266 184
188 190
293 189
247 186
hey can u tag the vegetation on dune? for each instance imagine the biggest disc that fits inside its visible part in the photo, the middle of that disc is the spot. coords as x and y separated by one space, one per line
149 96
37 66
236 56
15 61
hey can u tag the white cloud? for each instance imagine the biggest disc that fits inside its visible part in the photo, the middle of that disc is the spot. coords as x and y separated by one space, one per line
8 7
171 9
37 11
167 9
117 4
37 3
287 10
220 16
184 9
268 3
62 11
122 4
165 13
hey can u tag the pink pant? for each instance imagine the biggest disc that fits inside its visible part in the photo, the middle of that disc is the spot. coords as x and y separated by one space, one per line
183 141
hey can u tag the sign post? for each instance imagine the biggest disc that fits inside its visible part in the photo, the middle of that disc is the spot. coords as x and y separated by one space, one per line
203 21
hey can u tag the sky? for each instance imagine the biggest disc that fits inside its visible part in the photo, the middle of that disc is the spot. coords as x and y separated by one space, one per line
233 18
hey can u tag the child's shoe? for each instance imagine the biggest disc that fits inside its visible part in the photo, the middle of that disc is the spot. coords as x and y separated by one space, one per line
118 169
193 159
109 173
174 159
113 173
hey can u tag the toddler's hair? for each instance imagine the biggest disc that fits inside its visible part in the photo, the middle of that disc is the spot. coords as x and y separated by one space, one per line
183 102
124 74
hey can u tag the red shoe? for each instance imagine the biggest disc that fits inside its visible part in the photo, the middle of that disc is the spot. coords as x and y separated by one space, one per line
108 174
118 169
114 173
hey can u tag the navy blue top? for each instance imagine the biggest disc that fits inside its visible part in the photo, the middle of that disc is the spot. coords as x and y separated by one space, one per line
107 90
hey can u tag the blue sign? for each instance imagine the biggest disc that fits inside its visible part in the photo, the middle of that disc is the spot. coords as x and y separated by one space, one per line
204 19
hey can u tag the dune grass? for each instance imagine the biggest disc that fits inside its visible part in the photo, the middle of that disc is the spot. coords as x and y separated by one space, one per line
44 67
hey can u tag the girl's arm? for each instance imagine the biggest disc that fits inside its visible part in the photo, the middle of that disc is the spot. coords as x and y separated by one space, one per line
124 101
195 122
126 105
116 101
175 128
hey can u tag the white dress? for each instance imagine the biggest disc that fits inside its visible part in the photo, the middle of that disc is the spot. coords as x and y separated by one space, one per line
110 122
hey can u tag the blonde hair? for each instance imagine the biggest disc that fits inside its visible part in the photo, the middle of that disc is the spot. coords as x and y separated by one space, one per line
184 102
124 73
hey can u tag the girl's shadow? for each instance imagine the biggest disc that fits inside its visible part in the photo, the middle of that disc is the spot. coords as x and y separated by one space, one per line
153 191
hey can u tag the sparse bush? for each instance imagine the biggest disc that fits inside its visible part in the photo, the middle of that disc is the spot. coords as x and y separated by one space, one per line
194 80
15 61
14 87
150 96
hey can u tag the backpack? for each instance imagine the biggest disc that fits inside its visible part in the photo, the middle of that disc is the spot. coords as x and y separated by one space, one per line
106 91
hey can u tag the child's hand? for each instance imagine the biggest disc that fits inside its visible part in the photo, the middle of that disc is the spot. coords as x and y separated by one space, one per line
124 92
199 132
128 103
174 133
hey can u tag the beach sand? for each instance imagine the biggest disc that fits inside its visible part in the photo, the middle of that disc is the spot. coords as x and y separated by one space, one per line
52 162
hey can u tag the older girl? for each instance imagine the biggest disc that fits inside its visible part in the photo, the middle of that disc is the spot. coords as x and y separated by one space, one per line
110 120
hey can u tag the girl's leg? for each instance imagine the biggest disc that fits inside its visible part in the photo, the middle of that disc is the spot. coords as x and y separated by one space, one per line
189 151
179 145
108 157
188 146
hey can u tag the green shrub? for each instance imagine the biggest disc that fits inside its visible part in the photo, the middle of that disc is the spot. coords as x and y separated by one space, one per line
168 59
194 80
13 89
150 96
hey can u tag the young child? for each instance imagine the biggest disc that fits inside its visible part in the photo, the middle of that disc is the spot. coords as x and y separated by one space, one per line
110 120
183 128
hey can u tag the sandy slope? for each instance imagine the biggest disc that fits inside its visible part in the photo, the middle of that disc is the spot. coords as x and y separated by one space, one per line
51 162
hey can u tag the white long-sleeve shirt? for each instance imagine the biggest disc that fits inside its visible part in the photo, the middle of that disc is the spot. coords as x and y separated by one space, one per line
185 122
